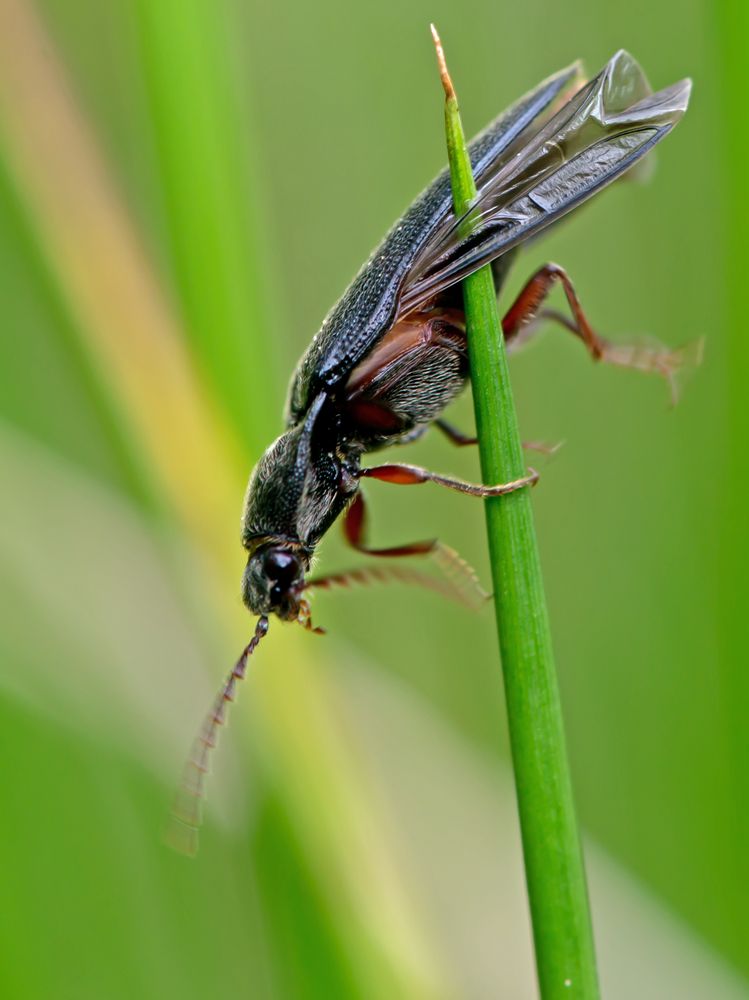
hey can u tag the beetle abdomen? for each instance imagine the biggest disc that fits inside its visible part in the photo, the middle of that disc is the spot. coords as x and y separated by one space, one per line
407 380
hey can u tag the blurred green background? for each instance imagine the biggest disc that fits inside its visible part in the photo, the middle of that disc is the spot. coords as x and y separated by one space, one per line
185 188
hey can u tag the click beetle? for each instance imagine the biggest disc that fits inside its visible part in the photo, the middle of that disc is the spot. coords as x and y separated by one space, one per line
392 352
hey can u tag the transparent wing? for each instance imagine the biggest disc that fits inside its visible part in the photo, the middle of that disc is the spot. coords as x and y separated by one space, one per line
602 131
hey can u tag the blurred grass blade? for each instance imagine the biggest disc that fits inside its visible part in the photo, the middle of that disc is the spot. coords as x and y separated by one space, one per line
202 128
732 22
125 323
557 892
98 260
348 833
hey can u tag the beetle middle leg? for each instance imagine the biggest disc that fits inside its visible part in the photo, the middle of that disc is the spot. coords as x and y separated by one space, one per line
457 437
454 434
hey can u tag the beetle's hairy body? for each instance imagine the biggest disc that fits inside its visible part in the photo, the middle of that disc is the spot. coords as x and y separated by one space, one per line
404 384
401 386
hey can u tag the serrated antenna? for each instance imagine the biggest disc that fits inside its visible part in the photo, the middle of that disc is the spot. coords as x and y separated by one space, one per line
186 816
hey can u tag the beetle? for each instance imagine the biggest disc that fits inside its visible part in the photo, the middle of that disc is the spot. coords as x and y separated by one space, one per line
392 353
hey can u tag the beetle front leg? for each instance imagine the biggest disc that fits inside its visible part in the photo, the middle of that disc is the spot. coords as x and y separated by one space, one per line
413 475
355 533
462 579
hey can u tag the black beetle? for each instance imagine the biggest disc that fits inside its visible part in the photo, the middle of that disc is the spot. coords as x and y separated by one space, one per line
391 354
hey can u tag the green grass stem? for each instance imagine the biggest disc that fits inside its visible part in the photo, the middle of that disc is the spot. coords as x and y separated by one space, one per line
555 875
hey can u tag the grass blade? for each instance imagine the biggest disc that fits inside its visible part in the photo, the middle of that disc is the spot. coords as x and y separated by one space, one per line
562 932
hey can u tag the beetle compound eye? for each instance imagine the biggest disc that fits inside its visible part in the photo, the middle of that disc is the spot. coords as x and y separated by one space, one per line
281 567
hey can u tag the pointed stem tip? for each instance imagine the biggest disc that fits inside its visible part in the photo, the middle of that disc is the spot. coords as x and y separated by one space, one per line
444 74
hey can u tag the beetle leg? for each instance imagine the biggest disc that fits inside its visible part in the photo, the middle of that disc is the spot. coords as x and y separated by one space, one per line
354 530
462 587
525 316
458 438
526 306
454 434
411 475
460 574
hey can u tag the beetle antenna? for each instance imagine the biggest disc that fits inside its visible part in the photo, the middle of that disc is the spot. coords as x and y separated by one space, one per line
186 816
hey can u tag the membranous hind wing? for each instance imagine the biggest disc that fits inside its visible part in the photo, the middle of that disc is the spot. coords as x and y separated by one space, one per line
600 133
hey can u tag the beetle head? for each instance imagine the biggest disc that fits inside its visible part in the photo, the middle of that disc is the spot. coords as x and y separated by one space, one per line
273 580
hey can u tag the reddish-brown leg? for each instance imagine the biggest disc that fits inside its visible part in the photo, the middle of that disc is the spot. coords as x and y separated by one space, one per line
462 583
355 533
467 591
525 316
454 434
458 438
526 306
412 475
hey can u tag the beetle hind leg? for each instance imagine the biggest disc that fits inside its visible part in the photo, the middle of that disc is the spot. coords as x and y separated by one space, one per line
525 315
